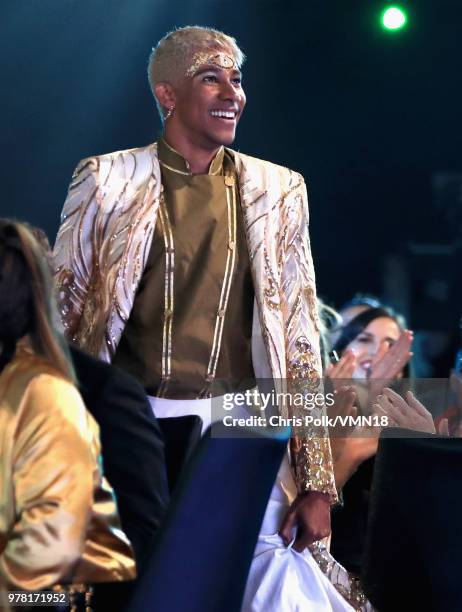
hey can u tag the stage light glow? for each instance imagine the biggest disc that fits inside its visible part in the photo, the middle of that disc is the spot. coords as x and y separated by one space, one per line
394 18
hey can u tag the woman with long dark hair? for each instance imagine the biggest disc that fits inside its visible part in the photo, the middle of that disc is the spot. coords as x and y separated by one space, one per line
58 520
374 350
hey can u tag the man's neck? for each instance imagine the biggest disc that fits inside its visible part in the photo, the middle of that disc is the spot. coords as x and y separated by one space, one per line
199 159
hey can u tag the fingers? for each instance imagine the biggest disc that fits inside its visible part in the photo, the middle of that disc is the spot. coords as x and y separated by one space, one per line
407 337
302 541
344 399
383 350
390 410
287 527
344 368
347 364
455 385
395 408
410 414
379 411
343 406
397 401
306 537
389 363
401 348
416 405
443 428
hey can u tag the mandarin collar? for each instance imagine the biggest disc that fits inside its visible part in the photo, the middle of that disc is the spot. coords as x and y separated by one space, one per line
174 161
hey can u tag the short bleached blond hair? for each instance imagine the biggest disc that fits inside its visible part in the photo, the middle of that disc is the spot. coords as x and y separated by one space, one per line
172 56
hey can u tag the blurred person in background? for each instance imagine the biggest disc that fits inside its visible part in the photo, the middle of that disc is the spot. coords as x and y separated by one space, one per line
59 527
374 350
349 310
132 444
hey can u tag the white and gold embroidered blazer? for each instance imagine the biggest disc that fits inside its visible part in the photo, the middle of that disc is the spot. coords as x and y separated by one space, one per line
103 243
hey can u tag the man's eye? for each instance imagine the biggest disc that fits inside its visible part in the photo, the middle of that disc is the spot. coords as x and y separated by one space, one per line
237 81
362 339
210 79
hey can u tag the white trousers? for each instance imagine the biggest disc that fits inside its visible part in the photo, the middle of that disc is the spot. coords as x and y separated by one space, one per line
280 578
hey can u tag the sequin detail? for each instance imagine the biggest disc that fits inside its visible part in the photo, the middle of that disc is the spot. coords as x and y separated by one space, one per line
169 293
347 585
201 58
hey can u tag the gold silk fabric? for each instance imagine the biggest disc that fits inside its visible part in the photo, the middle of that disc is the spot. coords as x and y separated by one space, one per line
58 518
103 244
195 211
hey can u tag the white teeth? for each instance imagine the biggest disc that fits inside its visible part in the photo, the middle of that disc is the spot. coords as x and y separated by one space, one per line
226 114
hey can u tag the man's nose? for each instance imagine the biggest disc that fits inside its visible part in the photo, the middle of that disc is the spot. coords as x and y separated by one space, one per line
228 91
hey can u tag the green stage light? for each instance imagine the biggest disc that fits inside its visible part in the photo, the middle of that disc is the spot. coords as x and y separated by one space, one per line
394 18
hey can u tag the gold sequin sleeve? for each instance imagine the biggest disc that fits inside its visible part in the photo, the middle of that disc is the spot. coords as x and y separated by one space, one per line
310 448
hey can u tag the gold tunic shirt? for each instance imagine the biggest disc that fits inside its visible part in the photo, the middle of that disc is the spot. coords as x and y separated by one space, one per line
194 229
58 518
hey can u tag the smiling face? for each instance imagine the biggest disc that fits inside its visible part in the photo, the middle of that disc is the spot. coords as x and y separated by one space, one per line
208 103
375 340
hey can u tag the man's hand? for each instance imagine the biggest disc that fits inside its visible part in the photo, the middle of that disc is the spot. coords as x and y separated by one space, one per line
310 513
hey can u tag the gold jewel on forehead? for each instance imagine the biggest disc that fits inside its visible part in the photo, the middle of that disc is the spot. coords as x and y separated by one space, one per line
222 60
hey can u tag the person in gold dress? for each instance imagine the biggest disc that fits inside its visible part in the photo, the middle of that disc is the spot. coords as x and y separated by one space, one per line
59 526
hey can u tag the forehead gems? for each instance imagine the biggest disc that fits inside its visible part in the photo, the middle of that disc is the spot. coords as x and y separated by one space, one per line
222 60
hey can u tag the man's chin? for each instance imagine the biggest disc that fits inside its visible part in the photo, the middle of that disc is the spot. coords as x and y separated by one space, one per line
225 138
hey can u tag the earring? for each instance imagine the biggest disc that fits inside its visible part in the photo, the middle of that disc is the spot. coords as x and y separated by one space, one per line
169 113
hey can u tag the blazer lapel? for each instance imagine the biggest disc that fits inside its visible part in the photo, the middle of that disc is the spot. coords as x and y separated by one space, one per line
129 236
258 197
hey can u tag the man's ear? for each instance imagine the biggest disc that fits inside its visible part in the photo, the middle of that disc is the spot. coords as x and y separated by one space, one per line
165 94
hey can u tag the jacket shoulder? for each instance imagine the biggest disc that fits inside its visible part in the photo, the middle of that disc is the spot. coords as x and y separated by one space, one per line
264 166
27 372
122 158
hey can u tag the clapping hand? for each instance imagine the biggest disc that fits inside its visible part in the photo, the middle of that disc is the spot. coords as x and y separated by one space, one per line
350 445
343 370
389 363
407 413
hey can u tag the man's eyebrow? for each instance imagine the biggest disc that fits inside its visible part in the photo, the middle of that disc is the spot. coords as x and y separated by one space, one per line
208 67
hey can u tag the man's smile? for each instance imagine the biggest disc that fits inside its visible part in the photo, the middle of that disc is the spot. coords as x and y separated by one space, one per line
224 114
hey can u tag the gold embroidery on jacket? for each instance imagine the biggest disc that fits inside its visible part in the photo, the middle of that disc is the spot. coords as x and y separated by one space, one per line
168 297
279 252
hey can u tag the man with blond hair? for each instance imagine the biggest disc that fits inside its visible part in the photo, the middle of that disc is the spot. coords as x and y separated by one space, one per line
185 262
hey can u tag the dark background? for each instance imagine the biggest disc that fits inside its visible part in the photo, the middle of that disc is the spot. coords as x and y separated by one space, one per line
367 116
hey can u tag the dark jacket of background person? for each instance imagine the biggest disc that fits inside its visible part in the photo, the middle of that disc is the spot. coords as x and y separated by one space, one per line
132 448
349 522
